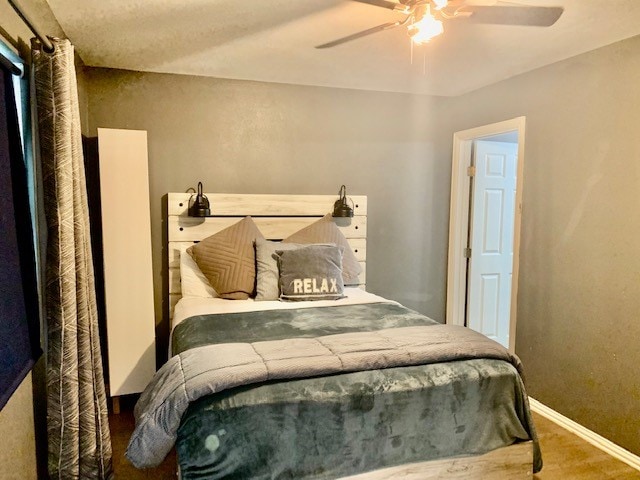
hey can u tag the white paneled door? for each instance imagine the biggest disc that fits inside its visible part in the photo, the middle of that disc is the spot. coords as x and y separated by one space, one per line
491 239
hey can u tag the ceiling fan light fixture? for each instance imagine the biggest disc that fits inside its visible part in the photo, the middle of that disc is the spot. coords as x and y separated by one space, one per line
425 29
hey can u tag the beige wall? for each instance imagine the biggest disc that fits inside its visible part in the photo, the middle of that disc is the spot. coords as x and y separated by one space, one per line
17 444
579 288
250 137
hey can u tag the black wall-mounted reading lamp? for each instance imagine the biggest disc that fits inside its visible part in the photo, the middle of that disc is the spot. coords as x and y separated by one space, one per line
199 207
341 208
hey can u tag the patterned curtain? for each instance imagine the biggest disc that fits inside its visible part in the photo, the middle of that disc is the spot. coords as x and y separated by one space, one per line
77 422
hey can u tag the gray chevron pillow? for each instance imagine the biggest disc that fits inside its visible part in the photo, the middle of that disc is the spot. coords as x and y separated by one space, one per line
228 259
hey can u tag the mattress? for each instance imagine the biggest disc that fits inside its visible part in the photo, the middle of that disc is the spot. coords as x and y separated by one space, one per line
341 424
336 426
190 306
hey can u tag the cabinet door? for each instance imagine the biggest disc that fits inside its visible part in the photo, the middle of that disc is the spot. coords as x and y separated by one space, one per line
128 278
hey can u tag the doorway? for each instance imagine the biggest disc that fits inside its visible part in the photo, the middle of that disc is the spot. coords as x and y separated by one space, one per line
484 230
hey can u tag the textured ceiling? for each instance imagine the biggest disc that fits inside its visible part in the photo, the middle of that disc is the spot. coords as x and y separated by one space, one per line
273 41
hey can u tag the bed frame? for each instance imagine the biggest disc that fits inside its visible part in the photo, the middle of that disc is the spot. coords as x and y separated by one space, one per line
277 217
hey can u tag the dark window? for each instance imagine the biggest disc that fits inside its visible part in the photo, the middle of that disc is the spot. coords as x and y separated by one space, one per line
19 300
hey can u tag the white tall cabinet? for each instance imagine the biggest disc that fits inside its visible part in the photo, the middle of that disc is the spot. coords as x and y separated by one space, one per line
128 276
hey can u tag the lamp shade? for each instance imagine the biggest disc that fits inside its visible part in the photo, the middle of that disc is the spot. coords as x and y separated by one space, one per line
199 207
341 208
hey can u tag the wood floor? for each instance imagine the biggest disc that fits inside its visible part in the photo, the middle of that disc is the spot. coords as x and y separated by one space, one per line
565 455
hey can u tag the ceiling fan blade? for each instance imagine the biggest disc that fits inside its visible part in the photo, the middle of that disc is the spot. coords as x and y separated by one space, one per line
521 15
383 4
364 33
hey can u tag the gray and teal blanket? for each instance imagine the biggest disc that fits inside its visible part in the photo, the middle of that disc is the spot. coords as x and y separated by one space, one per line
336 360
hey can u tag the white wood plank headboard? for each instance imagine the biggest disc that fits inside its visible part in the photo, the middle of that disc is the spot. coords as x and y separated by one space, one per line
277 217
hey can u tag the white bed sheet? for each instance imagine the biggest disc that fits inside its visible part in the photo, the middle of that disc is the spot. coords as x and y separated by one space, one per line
190 306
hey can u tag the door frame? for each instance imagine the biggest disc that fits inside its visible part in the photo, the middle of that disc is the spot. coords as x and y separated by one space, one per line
459 219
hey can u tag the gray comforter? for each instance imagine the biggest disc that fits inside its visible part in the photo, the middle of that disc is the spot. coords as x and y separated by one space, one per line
204 370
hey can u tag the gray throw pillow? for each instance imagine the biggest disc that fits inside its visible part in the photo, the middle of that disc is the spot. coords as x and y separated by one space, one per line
267 268
313 272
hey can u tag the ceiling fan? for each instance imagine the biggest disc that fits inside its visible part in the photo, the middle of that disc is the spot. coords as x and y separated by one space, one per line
424 17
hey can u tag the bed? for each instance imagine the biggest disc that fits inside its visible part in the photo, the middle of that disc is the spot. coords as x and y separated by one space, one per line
354 387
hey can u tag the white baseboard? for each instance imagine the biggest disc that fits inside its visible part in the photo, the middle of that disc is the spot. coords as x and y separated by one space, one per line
583 432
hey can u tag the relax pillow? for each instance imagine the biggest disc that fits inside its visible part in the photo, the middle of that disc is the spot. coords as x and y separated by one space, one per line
267 268
228 259
326 231
313 272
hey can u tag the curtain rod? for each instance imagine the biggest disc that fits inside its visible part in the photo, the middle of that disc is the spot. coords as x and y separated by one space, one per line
47 46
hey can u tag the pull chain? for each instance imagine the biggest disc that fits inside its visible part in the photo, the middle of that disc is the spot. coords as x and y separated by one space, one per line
424 62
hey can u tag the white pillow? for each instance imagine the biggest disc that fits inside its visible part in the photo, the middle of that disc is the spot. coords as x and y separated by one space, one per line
192 280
